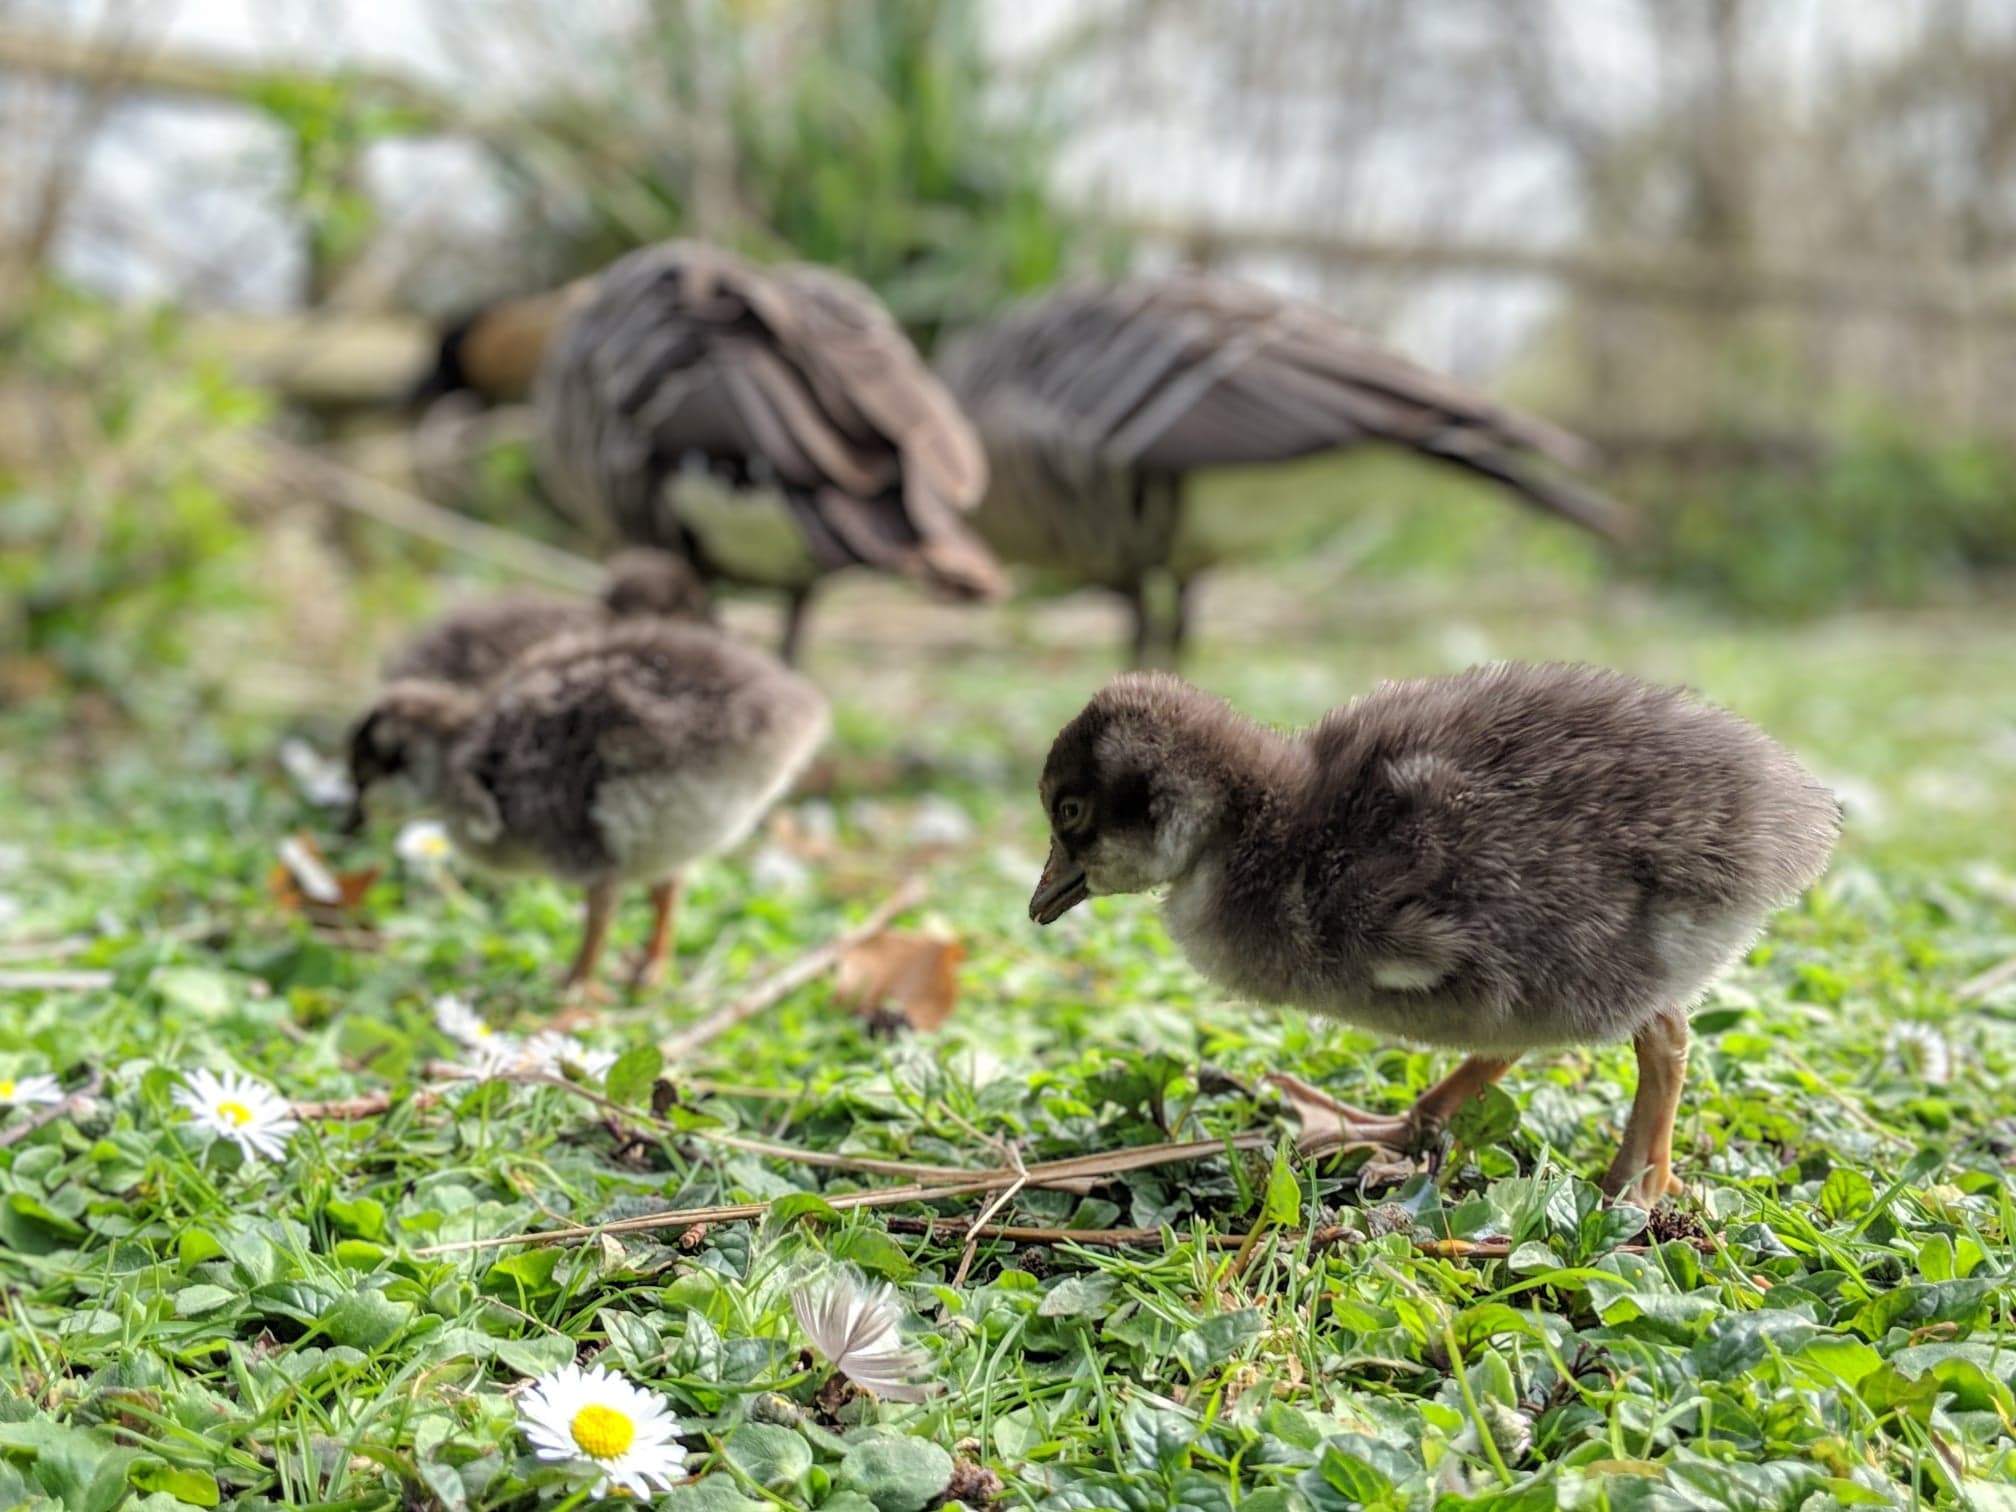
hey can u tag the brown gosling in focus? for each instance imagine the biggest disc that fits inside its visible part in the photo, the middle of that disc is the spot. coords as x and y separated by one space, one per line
600 757
1514 858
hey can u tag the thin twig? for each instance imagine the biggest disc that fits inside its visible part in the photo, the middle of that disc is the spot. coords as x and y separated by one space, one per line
334 483
808 967
1106 1163
1847 1104
370 1105
54 981
1989 981
54 1111
995 1204
687 1217
54 949
1325 1237
377 1104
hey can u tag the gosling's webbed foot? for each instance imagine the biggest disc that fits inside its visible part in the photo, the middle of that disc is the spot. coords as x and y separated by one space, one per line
1330 1127
580 1002
645 972
1645 1189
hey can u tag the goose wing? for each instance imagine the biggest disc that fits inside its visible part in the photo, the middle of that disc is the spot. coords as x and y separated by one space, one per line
1176 373
797 372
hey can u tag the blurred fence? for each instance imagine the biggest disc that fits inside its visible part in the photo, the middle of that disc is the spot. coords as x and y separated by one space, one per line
365 359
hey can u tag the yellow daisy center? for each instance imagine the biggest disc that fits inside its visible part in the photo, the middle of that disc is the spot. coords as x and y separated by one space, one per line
602 1432
483 1031
6 1088
234 1113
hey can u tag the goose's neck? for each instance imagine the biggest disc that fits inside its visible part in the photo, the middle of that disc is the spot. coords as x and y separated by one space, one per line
507 342
1239 913
1256 784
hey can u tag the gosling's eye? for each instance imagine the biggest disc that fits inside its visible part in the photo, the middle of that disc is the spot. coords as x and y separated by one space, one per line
1070 812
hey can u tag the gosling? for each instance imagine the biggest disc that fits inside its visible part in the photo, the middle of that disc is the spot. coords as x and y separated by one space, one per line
472 644
1511 859
600 757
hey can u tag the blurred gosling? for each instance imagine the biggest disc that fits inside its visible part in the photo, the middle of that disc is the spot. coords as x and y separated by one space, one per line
601 757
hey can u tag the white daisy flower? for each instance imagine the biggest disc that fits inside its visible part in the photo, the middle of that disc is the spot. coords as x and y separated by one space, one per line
597 1419
319 779
857 1328
556 1053
1924 1051
247 1112
29 1091
499 1055
1511 1432
423 844
455 1018
774 869
551 1051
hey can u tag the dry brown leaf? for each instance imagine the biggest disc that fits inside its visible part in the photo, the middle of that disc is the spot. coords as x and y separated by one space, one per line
23 679
914 977
302 882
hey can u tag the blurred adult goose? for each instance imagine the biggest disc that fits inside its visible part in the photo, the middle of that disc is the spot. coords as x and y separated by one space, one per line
600 757
1510 859
771 424
473 643
1097 403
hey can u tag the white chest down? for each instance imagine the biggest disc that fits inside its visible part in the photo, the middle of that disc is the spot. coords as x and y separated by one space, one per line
748 534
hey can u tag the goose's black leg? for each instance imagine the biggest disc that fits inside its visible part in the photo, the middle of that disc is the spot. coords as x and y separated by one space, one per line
795 609
1179 626
1144 627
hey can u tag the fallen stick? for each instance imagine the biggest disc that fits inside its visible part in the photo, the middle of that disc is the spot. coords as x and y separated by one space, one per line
1325 1237
54 981
378 1104
1106 1163
369 1105
326 479
814 964
54 1111
1990 981
44 950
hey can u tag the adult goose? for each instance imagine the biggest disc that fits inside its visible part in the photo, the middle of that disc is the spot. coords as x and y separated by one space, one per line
1098 402
771 424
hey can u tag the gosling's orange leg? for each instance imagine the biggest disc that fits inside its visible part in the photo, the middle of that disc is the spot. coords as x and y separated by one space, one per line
1642 1173
650 967
1397 1133
580 980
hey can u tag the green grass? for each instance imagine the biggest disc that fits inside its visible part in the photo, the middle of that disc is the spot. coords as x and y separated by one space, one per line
184 1328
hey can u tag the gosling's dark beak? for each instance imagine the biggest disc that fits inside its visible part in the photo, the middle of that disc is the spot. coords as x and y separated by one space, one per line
353 817
1060 889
